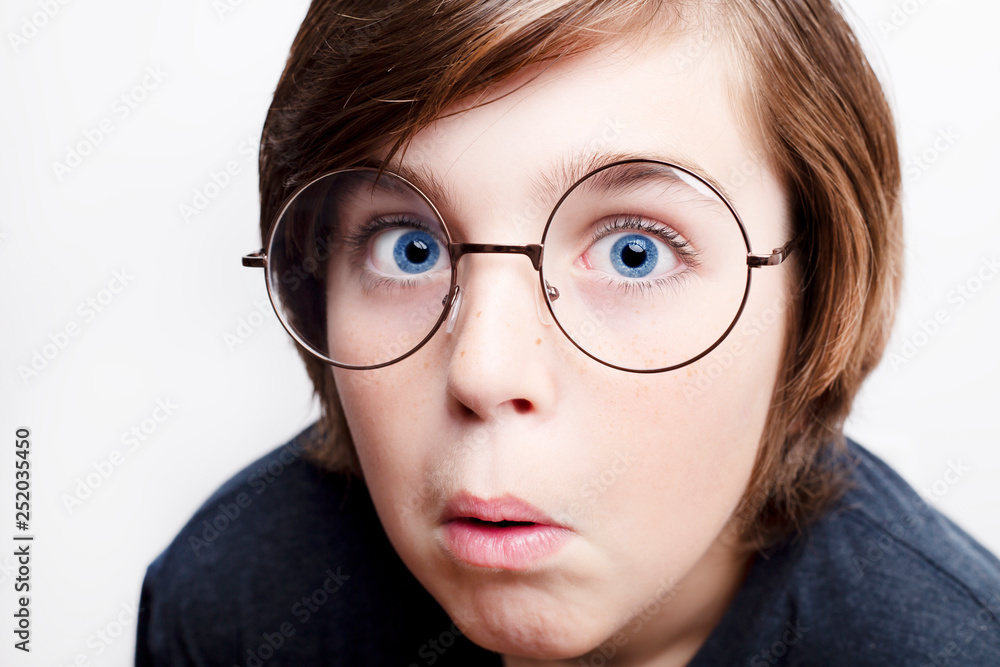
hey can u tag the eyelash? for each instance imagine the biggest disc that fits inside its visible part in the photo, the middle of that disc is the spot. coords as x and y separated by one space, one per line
690 257
358 240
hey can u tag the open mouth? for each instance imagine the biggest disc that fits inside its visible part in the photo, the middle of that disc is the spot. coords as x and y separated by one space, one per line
504 533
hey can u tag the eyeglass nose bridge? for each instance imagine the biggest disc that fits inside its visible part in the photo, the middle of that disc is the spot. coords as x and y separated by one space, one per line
533 251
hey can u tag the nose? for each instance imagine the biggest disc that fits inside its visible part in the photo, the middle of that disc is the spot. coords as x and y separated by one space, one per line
501 356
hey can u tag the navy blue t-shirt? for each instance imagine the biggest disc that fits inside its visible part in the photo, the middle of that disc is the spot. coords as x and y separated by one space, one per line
288 565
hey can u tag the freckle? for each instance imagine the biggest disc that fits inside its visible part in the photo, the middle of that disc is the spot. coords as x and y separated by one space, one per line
427 365
538 341
463 353
479 313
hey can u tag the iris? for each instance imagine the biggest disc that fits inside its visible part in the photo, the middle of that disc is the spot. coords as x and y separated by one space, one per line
634 256
416 252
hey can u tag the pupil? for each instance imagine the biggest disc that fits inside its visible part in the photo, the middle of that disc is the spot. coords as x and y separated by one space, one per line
633 255
417 252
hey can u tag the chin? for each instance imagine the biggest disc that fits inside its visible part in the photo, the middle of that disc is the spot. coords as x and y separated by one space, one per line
530 641
528 628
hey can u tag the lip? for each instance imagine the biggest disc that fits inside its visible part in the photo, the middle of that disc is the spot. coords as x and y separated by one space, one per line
473 534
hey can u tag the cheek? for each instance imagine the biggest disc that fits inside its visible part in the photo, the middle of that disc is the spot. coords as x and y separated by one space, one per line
692 436
680 464
732 387
385 415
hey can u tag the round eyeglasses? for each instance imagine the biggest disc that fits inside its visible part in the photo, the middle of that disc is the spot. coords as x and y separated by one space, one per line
643 265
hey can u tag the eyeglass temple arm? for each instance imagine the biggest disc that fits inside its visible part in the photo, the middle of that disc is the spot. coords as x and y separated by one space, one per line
776 257
255 259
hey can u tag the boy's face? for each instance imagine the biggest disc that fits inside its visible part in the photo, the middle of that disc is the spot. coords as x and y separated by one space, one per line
630 478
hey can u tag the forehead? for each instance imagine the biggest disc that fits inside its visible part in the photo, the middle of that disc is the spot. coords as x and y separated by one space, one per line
553 181
525 142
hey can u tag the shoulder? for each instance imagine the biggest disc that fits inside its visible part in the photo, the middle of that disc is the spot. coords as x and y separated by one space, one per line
899 575
287 561
882 578
899 526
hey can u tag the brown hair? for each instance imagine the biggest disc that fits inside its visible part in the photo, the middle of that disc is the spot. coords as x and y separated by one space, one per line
363 73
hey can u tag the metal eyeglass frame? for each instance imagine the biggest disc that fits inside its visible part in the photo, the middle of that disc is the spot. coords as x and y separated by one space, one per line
533 251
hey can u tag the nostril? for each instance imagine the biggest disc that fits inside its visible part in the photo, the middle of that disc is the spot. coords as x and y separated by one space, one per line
521 405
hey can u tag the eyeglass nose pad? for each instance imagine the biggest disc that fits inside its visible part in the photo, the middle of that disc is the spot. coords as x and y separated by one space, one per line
544 316
456 306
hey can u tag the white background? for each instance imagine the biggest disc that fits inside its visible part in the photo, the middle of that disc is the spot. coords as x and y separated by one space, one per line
163 336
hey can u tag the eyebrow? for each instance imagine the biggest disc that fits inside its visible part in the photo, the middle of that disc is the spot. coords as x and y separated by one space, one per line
549 185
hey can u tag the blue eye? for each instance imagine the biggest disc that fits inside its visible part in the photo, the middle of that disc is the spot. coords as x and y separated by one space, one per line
402 251
634 256
631 255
